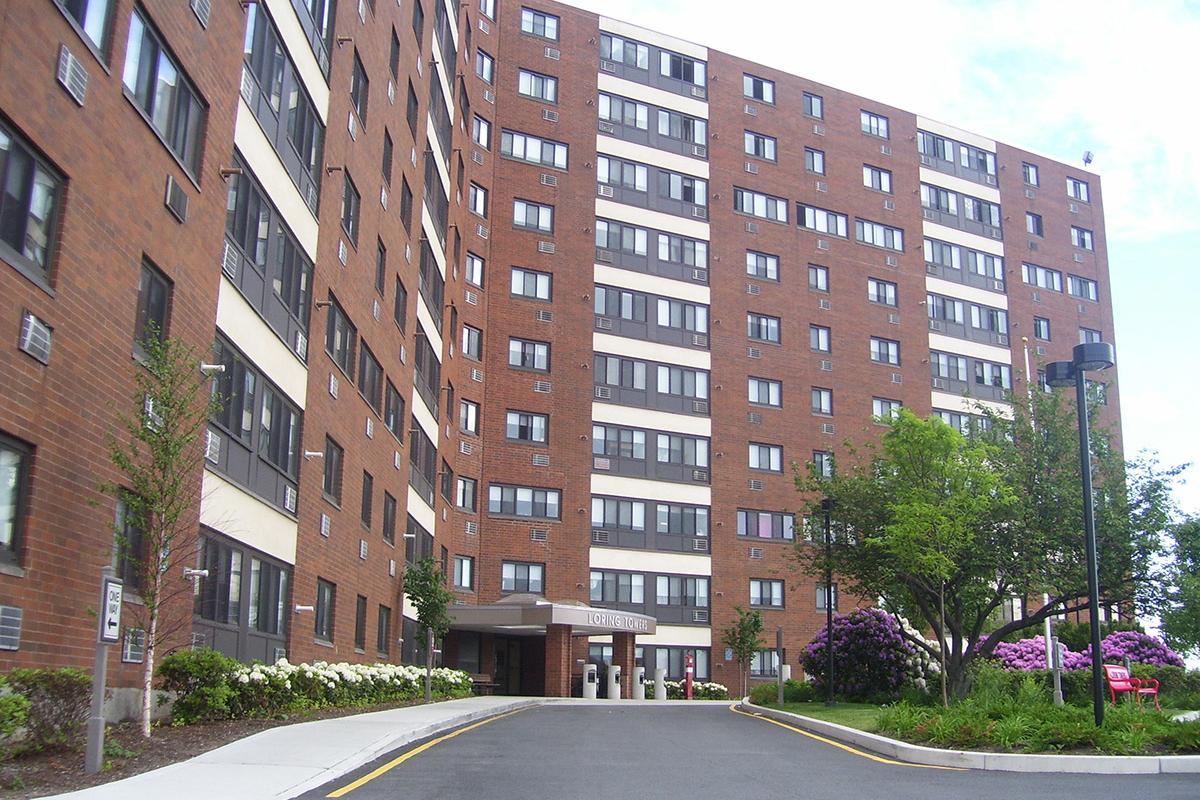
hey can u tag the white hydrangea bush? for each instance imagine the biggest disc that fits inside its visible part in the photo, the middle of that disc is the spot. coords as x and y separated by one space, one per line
922 668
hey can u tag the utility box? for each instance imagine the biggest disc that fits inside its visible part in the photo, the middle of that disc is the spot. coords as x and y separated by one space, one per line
660 684
639 683
785 672
614 682
589 681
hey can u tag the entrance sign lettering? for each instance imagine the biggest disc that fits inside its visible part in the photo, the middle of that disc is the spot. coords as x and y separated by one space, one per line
618 621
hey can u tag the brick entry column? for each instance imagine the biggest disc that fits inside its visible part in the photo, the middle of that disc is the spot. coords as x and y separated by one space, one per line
623 656
558 661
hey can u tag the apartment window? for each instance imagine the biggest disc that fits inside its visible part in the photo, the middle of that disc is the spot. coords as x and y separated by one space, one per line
488 7
481 132
359 86
472 342
524 147
1082 287
874 124
818 338
944 365
821 221
766 525
686 451
681 382
614 512
678 590
762 265
533 216
1041 328
28 206
612 302
400 306
760 145
370 378
981 211
331 483
154 299
537 86
1033 224
681 68
368 491
989 374
814 105
760 205
418 22
766 457
882 408
626 174
682 187
521 576
1078 190
814 160
340 338
633 54
326 598
389 518
468 417
885 351
539 23
879 235
394 55
822 595
678 520
758 89
936 198
818 278
383 632
823 463
464 572
822 401
485 66
477 200
279 431
530 284
617 587
411 110
528 354
766 593
1081 237
524 426
464 493
762 327
679 249
765 392
387 157
164 93
764 664
406 204
883 292
940 147
92 17
1042 277
15 459
622 111
876 178
351 202
1089 336
473 270
625 372
1030 173
380 268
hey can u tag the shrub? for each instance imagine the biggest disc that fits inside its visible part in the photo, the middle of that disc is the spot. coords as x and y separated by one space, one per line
1140 648
871 659
1078 635
14 710
1178 687
59 701
201 680
1030 654
764 694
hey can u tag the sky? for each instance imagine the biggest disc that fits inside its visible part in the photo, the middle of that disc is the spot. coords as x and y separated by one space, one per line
1055 77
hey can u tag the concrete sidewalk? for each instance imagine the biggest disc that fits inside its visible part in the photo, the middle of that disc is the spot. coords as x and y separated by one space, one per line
289 760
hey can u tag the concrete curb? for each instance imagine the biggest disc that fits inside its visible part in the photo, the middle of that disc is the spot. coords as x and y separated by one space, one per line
966 759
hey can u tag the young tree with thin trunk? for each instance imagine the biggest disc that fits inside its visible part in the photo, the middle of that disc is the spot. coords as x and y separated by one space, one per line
744 638
425 585
159 454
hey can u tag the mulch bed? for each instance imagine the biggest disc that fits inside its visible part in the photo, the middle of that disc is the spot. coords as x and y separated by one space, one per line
127 753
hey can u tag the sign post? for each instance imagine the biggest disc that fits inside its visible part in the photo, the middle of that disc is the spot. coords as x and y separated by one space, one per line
688 670
111 596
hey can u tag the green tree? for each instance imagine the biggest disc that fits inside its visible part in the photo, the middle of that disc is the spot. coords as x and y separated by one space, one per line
159 456
1181 610
425 585
744 638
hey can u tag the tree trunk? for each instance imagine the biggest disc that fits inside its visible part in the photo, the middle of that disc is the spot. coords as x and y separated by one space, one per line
429 667
148 671
942 640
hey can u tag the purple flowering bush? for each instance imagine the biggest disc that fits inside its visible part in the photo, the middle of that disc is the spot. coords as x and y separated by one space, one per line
1029 654
871 660
1140 648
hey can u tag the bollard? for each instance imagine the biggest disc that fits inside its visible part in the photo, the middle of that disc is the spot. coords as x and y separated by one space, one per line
785 671
614 682
639 683
660 684
589 681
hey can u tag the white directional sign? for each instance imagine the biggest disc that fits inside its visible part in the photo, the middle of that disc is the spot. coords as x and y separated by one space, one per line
110 615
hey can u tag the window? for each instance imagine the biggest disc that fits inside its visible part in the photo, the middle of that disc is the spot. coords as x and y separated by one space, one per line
326 598
874 124
617 172
527 354
681 68
485 66
679 381
411 111
539 23
614 371
760 205
1041 328
340 338
758 88
762 327
1030 173
945 308
468 416
680 520
537 86
383 632
879 235
488 7
822 401
400 306
682 187
359 86
814 160
678 590
1078 190
464 572
350 209
388 149
981 211
524 147
944 365
1042 277
682 127
380 268
418 22
883 292
15 459
370 378
473 269
1033 224
766 525
481 132
617 587
766 457
92 17
820 220
623 111
533 216
814 105
331 484
672 659
523 501
464 493
760 145
1082 287
530 283
389 518
882 408
686 451
394 55
1089 336
876 178
29 200
939 147
406 204
160 89
130 542
818 338
765 392
766 593
764 664
885 351
472 342
154 299
822 595
368 491
623 51
823 463
1081 237
818 278
524 426
678 249
477 198
519 576
997 375
614 512
762 265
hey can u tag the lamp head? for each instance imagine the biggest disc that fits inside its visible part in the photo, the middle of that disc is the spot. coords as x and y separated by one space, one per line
1060 374
1093 356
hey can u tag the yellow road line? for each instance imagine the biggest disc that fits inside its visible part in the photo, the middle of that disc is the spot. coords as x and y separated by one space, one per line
398 760
845 747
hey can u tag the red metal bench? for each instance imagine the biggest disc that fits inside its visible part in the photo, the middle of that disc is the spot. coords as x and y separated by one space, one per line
1120 681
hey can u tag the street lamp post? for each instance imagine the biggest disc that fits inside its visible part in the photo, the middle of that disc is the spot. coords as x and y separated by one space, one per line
1087 357
827 507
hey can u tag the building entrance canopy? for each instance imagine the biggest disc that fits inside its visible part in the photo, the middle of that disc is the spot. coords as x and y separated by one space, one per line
528 615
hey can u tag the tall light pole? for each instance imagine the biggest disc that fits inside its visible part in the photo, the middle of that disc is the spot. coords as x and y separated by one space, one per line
827 507
1087 357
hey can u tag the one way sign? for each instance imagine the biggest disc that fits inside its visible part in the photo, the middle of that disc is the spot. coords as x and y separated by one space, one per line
110 616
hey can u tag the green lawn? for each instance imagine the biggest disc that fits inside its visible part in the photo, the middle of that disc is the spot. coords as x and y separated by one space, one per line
852 715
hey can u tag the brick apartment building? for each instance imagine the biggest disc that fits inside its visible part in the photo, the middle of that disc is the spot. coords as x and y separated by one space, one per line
549 297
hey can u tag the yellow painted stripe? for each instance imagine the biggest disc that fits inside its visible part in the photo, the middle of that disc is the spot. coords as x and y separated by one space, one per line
840 745
398 760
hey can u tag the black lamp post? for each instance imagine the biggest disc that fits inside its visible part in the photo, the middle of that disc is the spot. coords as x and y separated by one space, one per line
827 507
1087 357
